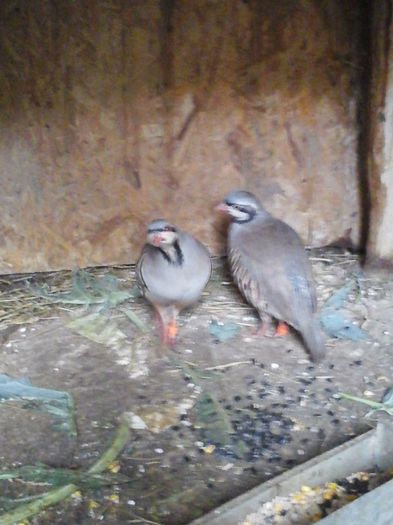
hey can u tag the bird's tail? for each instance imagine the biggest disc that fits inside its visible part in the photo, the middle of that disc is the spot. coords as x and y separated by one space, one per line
313 339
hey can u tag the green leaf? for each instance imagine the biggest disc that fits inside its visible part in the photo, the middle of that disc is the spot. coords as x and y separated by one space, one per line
55 402
88 289
133 318
97 328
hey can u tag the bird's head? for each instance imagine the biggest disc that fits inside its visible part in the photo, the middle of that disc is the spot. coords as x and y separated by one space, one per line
161 233
241 206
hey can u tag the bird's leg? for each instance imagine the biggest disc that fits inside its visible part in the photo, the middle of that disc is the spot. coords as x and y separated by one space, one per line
282 329
168 326
265 325
159 321
262 328
171 331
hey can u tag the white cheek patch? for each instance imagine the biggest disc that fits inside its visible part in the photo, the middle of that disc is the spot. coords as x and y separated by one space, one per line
238 214
168 237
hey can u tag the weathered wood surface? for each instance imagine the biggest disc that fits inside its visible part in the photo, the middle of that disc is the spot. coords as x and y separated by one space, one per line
380 137
116 112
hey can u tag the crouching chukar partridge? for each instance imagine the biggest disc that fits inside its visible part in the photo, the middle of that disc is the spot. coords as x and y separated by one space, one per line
270 266
172 272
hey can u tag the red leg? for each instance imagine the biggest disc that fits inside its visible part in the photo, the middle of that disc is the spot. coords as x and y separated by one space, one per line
265 326
262 328
168 328
282 329
171 331
159 322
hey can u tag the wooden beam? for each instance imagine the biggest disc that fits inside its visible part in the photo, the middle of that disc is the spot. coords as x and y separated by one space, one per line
380 156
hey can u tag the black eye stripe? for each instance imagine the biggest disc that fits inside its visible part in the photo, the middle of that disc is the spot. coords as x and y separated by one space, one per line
244 209
161 230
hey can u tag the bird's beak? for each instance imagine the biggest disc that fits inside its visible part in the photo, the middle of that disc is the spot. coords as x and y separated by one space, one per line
157 240
221 207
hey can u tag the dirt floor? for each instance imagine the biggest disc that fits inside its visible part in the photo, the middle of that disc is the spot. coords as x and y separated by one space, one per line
218 417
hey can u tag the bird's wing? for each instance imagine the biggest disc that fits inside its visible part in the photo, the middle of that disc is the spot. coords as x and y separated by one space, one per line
140 279
272 270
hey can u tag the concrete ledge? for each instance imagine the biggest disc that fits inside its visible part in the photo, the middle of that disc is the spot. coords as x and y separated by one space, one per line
366 452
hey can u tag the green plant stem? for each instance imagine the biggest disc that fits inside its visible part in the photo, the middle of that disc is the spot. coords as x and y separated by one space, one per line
26 511
122 436
31 509
373 404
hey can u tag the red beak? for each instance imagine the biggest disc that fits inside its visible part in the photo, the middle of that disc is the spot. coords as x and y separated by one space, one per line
221 207
157 240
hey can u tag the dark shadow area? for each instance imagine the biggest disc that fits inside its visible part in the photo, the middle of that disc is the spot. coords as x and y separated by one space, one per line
364 123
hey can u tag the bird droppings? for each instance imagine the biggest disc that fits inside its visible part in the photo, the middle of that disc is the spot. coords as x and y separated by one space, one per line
263 415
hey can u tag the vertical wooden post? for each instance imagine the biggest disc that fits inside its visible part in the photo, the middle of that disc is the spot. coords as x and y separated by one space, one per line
380 155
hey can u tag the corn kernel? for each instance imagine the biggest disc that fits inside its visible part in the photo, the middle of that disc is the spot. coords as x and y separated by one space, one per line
114 467
114 498
209 449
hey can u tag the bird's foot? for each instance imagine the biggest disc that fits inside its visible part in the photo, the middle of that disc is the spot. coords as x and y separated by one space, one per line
282 329
265 328
170 333
262 329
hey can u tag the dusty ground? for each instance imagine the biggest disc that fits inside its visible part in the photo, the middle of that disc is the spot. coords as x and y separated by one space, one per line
281 409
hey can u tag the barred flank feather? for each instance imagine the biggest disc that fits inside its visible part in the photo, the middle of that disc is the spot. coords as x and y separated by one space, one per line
246 284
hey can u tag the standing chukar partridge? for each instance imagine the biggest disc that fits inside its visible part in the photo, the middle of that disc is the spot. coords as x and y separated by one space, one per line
172 272
270 266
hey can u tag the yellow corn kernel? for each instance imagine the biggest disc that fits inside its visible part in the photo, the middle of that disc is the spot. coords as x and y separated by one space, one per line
92 504
209 449
114 467
114 498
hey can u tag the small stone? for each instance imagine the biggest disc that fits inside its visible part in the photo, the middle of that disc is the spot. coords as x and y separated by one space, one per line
226 467
135 421
368 393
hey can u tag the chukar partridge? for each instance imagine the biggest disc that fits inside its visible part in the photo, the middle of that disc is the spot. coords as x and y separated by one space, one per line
172 272
270 266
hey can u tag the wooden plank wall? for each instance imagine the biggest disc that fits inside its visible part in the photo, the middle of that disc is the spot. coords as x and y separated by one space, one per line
114 112
379 138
